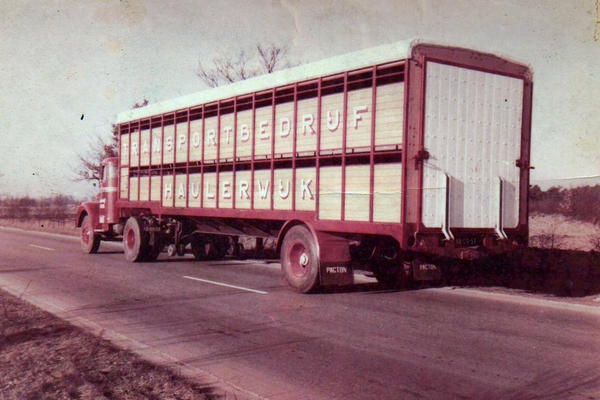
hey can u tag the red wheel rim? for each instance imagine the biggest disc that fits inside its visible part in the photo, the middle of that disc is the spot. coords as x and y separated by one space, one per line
130 239
299 259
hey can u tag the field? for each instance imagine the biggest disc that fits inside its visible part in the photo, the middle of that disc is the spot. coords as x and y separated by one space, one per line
559 232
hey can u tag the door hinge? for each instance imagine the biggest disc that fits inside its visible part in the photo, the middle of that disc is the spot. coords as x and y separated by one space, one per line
520 164
421 156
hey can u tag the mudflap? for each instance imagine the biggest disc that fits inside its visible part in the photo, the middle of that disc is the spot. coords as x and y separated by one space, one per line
334 257
426 271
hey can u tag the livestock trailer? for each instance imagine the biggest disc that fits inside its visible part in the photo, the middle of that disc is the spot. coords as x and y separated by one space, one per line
400 158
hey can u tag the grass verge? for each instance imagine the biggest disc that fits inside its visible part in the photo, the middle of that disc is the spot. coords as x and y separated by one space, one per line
44 357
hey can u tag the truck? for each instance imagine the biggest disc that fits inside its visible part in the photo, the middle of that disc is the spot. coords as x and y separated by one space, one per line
400 160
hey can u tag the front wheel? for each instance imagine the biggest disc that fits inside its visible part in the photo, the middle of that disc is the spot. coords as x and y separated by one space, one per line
135 240
90 241
300 259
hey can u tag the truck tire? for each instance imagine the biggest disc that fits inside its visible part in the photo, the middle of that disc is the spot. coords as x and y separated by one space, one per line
90 241
135 240
300 259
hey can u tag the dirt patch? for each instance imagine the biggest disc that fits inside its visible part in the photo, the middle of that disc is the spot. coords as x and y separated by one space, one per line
42 356
570 275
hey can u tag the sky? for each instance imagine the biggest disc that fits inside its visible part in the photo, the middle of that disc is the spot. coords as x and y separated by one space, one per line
67 68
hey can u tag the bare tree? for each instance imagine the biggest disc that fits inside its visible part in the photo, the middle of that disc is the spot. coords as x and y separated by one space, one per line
226 69
89 164
271 57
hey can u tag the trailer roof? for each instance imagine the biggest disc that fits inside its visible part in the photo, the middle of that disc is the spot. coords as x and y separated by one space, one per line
356 60
386 53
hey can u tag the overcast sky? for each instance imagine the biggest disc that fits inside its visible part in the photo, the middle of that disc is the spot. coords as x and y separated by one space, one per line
60 60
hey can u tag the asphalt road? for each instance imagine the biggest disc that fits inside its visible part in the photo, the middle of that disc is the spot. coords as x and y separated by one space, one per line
255 338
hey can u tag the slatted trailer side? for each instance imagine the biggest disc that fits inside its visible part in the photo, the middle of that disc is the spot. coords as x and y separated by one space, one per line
366 157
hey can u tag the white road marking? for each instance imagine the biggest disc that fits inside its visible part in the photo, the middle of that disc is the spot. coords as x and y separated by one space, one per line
41 247
226 285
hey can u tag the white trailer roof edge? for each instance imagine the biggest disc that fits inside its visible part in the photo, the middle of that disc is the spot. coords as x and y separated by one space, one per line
391 52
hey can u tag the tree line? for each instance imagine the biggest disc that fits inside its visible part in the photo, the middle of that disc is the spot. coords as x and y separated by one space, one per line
580 203
59 208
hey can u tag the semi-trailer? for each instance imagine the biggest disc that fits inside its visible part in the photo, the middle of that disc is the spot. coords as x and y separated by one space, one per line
402 158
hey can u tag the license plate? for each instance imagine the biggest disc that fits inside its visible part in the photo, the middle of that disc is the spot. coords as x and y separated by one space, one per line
468 241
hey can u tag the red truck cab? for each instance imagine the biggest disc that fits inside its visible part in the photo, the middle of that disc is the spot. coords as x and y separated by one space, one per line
99 219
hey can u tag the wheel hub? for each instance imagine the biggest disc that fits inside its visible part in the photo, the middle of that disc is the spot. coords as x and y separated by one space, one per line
130 239
299 259
85 235
304 259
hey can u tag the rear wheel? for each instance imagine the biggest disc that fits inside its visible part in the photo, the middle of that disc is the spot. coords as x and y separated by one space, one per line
135 240
300 259
90 241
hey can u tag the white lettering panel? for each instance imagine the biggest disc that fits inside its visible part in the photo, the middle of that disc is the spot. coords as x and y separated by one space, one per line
133 188
195 140
181 142
282 197
145 148
180 190
168 190
226 190
210 138
387 192
144 188
156 146
330 192
226 137
284 133
358 187
358 126
168 144
155 188
124 182
134 149
389 116
332 121
243 191
245 135
262 189
305 189
209 190
263 131
194 190
307 125
124 149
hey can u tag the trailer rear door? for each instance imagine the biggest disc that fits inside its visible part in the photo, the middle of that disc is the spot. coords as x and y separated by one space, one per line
472 132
